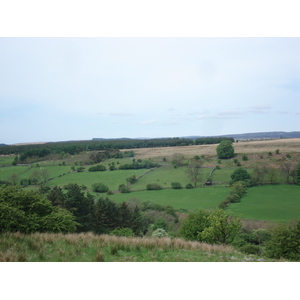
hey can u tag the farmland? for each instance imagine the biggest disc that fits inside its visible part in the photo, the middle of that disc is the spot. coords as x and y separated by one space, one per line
159 193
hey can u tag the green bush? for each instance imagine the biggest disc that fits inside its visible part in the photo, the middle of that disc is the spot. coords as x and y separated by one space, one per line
189 186
99 188
285 242
97 168
245 157
176 185
124 189
153 186
239 174
250 249
122 232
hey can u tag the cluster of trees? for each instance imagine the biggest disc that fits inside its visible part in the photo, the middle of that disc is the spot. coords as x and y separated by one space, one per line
42 150
212 140
139 164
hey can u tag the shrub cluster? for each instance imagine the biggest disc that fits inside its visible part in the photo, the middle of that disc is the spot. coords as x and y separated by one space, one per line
153 186
238 189
97 168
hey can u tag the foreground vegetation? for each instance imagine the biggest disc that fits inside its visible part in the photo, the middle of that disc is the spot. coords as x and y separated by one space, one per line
87 247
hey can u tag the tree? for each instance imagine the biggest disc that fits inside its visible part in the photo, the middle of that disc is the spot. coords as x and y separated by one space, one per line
194 224
177 159
225 150
239 174
287 170
222 229
258 174
28 211
298 174
285 242
194 172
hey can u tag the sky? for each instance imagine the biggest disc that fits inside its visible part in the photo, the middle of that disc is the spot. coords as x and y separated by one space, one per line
56 89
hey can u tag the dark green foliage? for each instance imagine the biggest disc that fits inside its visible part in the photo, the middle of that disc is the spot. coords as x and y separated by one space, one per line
153 186
97 168
250 249
298 174
277 151
106 215
131 179
146 164
225 150
207 141
176 185
189 186
245 157
285 242
28 211
122 232
99 187
124 189
239 174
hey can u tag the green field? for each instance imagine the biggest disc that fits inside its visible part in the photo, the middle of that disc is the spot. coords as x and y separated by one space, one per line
269 202
189 199
7 172
110 178
164 176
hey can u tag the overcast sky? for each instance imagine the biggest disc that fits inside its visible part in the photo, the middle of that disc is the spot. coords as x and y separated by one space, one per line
54 89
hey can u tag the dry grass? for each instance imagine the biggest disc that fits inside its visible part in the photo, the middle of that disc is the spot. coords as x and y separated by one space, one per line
284 145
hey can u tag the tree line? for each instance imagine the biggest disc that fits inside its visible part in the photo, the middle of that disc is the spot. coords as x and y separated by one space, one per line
42 150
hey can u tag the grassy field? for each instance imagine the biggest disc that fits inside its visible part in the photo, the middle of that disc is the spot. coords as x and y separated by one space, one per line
45 247
7 172
188 199
166 175
110 178
269 202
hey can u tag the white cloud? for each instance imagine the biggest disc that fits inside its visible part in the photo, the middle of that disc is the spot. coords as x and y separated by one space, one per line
148 122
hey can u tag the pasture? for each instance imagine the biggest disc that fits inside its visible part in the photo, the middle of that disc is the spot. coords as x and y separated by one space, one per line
270 203
186 199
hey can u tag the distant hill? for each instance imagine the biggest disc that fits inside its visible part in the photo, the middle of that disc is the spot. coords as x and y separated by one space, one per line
241 136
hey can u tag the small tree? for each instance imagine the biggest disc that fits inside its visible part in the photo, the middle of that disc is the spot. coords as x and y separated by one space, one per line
225 150
194 172
99 188
239 174
223 228
176 185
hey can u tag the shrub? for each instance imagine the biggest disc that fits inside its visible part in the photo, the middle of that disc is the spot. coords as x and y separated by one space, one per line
97 168
159 232
189 186
245 157
285 242
99 188
176 185
124 189
153 186
250 249
239 174
122 232
277 151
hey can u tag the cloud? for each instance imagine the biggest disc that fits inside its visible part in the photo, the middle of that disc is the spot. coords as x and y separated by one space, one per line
148 122
260 109
122 114
172 122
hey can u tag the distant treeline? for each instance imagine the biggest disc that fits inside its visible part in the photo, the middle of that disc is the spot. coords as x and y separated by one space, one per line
41 150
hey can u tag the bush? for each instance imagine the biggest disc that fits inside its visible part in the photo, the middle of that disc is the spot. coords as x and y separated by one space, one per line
285 242
245 157
124 189
153 186
97 168
176 185
250 249
122 232
239 174
99 188
159 232
189 186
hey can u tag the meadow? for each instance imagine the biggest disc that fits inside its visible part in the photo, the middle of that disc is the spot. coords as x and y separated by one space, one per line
269 202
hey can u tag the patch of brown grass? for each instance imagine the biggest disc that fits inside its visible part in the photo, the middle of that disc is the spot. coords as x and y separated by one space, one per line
251 147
